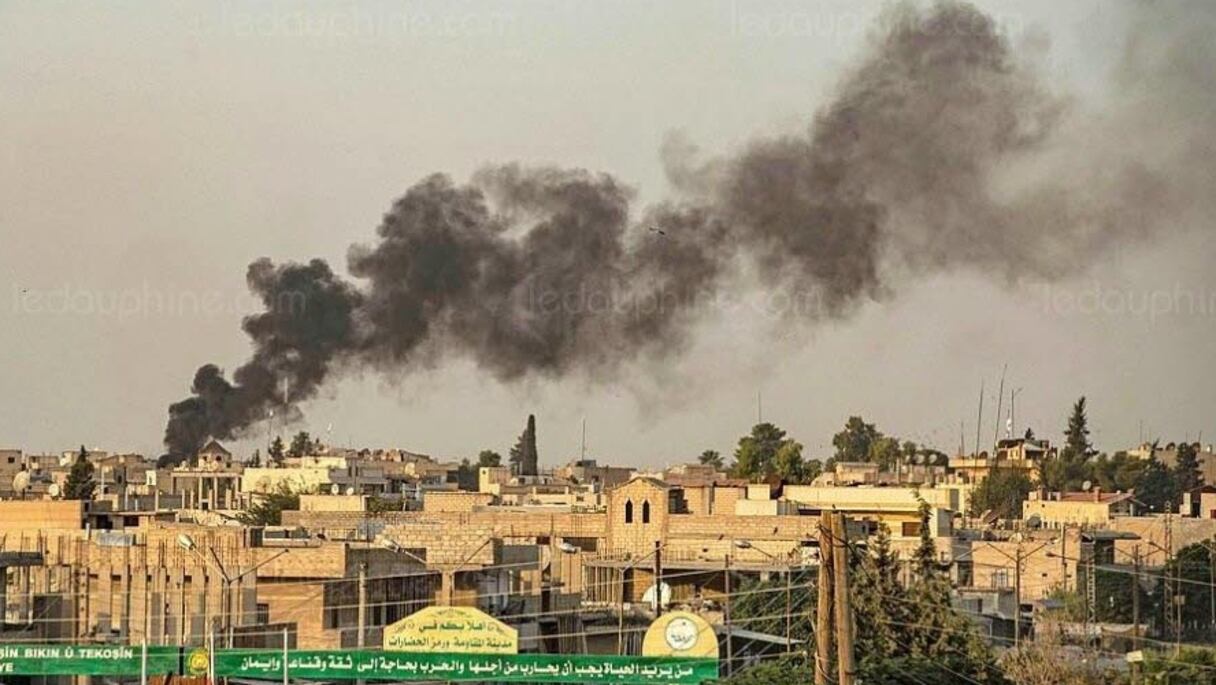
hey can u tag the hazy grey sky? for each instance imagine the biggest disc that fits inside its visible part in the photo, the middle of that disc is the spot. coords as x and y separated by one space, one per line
150 150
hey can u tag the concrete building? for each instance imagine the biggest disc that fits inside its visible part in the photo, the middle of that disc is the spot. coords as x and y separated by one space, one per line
1094 509
1024 454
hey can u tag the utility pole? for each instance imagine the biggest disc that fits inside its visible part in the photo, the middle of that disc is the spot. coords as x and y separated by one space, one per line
361 639
620 616
1017 599
979 419
844 601
823 610
1136 597
285 673
1168 589
730 644
658 578
1212 585
789 611
1000 401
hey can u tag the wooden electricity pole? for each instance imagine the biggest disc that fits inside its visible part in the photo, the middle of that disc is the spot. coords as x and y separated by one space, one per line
844 604
823 609
1136 597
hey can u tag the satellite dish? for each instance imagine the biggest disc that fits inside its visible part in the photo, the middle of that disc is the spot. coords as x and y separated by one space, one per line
335 489
21 482
54 490
350 489
1034 522
664 595
1086 485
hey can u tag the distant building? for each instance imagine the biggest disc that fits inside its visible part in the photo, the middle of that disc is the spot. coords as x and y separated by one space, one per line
1090 509
1024 454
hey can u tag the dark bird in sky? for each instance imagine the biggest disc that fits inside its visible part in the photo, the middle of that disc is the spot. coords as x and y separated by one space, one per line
655 229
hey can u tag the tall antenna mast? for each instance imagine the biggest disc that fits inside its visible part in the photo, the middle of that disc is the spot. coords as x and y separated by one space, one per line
1000 402
759 408
979 419
583 448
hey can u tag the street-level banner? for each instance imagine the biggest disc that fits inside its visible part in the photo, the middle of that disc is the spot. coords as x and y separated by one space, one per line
451 629
455 667
32 659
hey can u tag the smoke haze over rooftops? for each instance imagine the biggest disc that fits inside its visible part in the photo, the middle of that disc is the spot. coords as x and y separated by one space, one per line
940 150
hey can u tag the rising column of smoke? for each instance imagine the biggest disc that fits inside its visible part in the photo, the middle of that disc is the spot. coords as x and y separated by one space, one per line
938 152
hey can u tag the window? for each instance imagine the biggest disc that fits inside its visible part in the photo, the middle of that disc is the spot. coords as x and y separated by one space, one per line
910 529
646 511
629 511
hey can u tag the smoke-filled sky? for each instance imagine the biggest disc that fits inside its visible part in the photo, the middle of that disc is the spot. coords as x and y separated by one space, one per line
867 222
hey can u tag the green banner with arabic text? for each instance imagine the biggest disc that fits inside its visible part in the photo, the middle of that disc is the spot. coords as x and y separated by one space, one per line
503 668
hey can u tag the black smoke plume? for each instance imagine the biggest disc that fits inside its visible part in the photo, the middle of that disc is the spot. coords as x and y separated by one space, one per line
939 151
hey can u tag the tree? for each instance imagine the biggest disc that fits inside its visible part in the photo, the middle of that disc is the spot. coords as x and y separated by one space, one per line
466 476
1044 661
1119 472
1191 665
268 509
523 457
1076 438
711 458
276 450
926 551
788 463
378 504
886 452
1157 488
489 458
80 483
905 635
812 470
756 451
1187 471
1191 566
1070 468
302 445
856 441
1002 493
255 460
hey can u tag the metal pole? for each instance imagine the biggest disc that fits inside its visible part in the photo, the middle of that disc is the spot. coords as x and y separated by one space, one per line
361 639
658 578
620 616
730 644
789 612
285 676
143 663
211 653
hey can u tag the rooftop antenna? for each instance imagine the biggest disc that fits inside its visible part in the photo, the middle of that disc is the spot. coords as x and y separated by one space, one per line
962 440
759 407
979 419
1000 402
1012 425
583 448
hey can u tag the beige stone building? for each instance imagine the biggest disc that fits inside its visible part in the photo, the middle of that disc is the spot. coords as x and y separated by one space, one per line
1094 509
